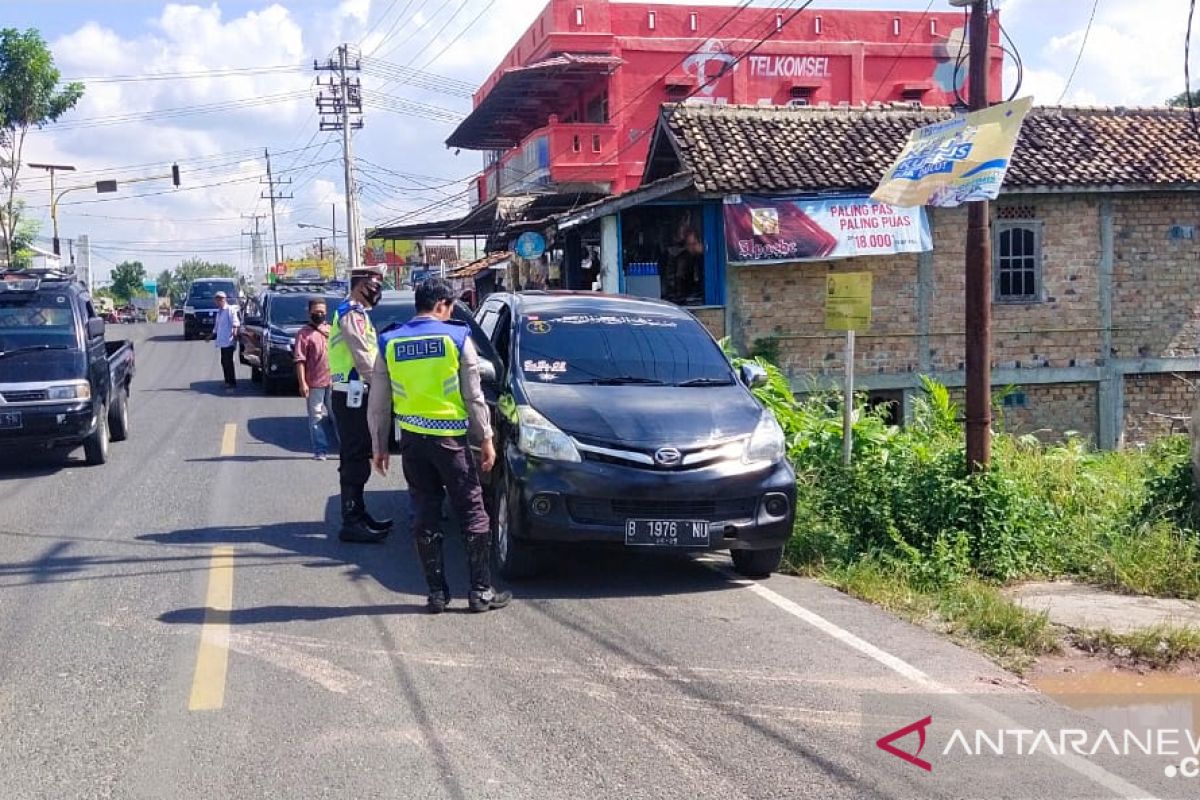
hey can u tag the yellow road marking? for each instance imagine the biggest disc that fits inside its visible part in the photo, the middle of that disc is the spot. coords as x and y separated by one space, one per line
212 661
229 439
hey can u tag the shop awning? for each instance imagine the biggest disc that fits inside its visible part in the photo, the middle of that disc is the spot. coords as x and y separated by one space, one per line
524 98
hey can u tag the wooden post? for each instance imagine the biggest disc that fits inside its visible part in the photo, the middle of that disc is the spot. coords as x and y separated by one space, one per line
848 403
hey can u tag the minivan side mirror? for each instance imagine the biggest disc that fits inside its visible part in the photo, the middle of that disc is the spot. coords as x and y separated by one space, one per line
95 327
487 372
753 375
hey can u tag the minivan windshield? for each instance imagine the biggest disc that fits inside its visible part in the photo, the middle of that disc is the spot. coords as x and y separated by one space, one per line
206 291
621 348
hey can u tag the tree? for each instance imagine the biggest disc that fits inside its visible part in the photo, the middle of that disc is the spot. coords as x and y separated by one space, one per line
166 286
1181 99
194 268
29 97
127 279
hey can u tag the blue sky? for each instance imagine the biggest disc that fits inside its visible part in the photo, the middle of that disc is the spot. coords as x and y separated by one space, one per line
1133 57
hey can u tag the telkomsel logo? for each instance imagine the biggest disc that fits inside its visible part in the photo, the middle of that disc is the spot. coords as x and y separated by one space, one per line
918 727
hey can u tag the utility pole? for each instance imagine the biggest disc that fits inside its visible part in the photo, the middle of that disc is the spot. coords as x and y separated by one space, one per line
53 168
257 265
341 110
273 196
979 272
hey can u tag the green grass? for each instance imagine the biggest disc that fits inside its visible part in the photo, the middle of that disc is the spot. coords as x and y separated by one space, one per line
1160 647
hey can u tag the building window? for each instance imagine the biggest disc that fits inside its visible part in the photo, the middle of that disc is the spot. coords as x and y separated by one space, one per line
1016 400
694 21
779 22
1018 262
652 20
896 26
579 16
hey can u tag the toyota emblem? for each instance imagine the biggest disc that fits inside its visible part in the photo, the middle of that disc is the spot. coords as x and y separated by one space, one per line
668 457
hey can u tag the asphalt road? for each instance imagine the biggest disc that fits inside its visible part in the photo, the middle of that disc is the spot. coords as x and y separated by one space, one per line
618 676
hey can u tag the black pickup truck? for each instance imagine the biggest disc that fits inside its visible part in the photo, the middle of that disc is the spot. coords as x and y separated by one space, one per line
61 384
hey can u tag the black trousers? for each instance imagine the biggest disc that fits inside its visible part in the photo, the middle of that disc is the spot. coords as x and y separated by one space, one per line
354 438
435 466
227 365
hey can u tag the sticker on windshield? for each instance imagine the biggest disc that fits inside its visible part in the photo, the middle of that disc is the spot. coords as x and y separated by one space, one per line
543 367
615 319
538 326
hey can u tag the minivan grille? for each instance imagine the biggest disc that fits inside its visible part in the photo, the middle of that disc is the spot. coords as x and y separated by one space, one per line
617 511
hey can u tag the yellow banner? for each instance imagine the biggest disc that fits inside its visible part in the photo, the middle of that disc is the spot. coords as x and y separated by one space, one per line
305 269
848 302
956 161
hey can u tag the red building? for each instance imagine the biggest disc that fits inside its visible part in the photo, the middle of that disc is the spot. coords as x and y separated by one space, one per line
572 106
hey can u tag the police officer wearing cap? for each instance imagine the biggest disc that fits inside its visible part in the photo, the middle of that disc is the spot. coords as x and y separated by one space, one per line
427 382
353 350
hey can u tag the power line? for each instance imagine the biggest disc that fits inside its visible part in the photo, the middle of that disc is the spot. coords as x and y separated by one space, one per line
390 31
174 76
184 111
1082 47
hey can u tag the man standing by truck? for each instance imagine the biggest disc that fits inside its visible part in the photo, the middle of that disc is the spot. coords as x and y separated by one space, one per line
311 352
225 329
353 348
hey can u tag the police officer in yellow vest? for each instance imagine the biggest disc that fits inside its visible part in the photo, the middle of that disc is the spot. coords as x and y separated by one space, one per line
353 352
430 370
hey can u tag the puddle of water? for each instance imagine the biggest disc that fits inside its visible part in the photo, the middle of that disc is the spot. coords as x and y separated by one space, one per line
1123 699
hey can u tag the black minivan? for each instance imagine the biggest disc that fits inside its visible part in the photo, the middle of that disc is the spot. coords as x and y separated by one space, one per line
620 420
200 307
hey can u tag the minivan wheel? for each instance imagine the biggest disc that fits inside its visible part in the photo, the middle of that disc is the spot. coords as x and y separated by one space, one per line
118 421
95 447
514 558
757 563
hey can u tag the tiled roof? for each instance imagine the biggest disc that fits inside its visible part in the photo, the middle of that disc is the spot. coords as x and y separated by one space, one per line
782 149
479 265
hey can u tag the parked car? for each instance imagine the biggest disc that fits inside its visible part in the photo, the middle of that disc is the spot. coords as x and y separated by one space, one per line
200 307
61 383
621 421
269 327
177 315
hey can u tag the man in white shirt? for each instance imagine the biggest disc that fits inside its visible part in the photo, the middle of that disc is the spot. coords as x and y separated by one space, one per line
225 333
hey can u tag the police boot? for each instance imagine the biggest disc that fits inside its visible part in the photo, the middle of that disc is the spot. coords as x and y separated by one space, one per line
483 596
383 526
354 526
429 549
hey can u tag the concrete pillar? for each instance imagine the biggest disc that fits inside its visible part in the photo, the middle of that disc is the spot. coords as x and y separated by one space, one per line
610 254
1112 389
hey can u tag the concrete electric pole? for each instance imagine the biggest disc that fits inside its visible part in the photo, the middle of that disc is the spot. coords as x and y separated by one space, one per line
979 270
273 196
340 105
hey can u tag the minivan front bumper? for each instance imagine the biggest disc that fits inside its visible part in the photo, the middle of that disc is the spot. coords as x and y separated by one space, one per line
592 501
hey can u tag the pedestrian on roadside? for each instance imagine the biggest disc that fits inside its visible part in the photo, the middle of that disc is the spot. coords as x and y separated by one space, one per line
427 381
353 349
225 330
311 352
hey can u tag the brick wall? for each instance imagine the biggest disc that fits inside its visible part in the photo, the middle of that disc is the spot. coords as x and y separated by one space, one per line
712 318
1151 399
1048 411
1156 306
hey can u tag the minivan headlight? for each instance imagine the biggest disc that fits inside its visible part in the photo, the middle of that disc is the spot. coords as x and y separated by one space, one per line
541 438
767 445
71 391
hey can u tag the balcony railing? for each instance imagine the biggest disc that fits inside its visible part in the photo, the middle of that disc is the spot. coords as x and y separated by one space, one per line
577 152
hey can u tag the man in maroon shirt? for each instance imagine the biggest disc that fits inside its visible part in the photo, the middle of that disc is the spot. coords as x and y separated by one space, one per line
312 372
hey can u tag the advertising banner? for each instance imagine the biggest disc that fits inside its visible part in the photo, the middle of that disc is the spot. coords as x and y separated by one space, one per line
766 230
304 269
957 161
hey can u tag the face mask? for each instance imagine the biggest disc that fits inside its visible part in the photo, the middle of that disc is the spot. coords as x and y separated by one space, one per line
373 293
317 317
